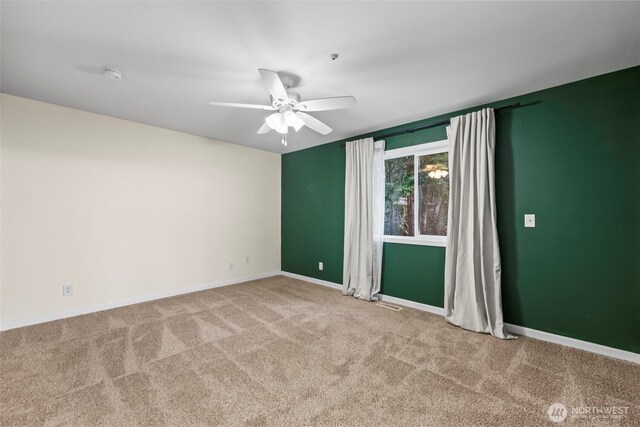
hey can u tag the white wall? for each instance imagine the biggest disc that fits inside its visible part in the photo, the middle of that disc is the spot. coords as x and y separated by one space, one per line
123 210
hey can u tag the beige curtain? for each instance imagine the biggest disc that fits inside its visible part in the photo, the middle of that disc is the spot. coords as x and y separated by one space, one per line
362 256
472 268
378 214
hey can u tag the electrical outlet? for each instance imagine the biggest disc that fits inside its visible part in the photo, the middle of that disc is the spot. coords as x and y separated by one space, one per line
530 220
67 290
230 266
321 266
247 260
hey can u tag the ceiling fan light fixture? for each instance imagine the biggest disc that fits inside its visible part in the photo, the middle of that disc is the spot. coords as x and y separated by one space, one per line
276 121
271 120
292 119
438 173
283 129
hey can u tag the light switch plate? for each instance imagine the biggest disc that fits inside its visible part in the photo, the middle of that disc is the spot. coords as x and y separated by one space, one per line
529 220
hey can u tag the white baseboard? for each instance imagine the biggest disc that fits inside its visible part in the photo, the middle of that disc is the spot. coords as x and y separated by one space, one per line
128 301
516 329
412 304
312 280
574 343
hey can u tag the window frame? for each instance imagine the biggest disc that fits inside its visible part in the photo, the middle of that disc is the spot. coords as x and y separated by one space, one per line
417 151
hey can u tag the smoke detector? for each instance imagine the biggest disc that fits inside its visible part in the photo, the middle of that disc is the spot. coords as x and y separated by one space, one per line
112 73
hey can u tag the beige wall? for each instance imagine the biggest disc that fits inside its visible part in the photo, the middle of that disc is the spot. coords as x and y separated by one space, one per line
123 210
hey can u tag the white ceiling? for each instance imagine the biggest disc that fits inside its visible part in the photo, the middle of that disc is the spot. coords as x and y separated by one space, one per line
402 60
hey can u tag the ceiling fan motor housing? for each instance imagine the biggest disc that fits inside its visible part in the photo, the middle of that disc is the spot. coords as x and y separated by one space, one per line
294 98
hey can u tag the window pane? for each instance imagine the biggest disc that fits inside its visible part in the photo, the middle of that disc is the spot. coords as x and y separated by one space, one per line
399 191
434 194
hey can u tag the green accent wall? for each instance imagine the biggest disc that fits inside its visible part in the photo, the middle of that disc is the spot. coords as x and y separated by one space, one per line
570 155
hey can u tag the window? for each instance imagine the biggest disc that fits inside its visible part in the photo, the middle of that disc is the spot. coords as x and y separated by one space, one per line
417 194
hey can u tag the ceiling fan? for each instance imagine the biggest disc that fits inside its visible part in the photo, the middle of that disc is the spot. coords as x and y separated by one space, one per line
289 110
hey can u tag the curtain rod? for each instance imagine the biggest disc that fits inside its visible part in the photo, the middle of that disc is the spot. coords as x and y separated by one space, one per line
432 125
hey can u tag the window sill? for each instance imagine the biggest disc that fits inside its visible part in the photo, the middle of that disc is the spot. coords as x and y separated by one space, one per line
416 241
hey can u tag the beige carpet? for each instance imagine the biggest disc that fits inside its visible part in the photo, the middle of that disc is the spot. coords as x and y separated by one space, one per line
284 352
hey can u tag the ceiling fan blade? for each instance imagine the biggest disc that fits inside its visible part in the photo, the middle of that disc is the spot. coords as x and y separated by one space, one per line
274 85
325 104
239 105
264 129
314 124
